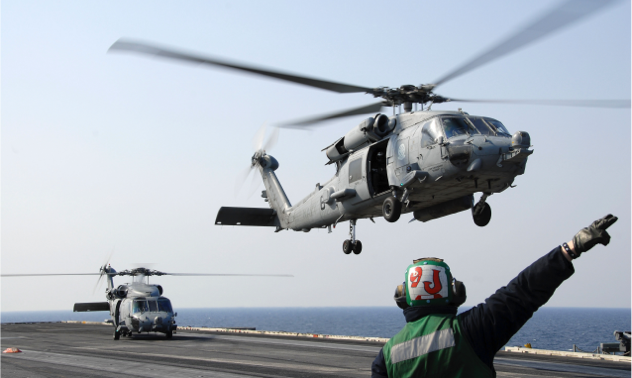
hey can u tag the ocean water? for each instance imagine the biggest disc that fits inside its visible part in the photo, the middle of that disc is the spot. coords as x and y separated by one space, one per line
550 328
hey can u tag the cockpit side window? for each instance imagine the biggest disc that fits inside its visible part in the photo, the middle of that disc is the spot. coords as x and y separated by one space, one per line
153 306
164 305
429 133
481 126
499 127
455 126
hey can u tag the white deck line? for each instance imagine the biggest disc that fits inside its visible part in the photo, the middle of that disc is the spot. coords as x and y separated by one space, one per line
592 356
261 333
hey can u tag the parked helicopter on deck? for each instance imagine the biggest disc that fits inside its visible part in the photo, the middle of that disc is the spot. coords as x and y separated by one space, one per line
138 306
428 163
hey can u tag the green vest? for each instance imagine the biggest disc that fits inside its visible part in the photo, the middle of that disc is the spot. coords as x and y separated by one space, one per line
433 346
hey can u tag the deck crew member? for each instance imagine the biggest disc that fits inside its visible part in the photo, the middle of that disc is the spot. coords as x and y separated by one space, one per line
436 342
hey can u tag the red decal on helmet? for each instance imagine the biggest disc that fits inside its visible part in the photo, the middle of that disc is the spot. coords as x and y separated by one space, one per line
415 276
435 281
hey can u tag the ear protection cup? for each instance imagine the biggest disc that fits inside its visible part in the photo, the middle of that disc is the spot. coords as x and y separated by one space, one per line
459 294
400 296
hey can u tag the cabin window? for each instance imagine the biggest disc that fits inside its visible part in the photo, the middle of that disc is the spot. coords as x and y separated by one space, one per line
455 126
481 126
164 305
153 306
499 127
140 306
355 170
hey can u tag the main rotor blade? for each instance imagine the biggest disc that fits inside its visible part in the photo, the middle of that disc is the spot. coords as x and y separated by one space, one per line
373 108
144 48
46 274
617 104
228 275
558 18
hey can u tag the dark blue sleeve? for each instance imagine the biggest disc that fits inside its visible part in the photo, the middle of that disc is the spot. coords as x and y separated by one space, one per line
378 369
490 325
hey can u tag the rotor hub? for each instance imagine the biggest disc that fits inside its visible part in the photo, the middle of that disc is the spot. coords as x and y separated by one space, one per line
408 93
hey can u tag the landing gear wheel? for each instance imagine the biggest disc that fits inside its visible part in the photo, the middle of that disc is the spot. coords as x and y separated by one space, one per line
357 247
482 215
169 334
117 335
391 209
347 247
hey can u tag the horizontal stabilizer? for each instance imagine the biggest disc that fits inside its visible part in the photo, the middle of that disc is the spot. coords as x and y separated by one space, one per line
94 306
246 216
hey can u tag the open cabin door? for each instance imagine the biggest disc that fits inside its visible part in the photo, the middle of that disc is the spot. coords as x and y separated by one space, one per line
377 177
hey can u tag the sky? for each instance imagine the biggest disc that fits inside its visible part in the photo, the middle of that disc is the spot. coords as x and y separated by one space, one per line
124 154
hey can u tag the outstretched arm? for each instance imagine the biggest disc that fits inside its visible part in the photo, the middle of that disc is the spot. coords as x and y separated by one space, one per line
490 325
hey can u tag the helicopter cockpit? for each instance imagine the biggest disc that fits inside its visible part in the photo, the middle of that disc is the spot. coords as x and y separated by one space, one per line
140 306
149 314
457 126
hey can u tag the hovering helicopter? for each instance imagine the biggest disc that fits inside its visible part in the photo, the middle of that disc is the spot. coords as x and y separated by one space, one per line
428 163
138 306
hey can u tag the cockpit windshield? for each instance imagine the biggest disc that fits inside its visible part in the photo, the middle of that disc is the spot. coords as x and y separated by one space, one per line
140 306
481 126
164 305
499 127
153 306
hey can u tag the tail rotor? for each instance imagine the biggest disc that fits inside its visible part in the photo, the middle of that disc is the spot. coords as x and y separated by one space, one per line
103 270
260 150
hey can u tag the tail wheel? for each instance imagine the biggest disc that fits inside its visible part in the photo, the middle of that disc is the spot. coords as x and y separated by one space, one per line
347 247
391 209
357 247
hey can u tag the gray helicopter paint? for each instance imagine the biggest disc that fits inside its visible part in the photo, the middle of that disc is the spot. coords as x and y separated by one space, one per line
149 318
408 149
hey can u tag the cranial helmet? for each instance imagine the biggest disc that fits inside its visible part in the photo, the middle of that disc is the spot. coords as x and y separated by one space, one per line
429 282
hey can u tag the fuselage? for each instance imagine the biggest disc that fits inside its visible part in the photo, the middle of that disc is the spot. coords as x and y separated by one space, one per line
139 307
440 157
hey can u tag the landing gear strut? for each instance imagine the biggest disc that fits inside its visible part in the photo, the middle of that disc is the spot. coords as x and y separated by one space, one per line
352 245
117 334
482 212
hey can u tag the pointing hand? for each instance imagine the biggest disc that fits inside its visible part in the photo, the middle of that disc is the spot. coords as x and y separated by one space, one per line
594 234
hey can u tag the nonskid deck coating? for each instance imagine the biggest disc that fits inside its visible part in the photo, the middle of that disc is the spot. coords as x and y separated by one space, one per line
87 350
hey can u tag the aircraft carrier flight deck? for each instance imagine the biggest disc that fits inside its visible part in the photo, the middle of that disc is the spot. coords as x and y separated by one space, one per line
88 350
